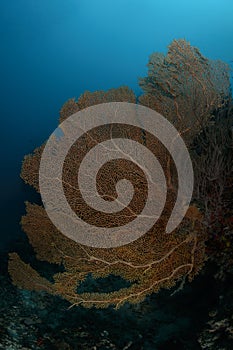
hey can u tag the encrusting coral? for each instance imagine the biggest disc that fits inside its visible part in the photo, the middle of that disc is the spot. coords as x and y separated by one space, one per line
155 260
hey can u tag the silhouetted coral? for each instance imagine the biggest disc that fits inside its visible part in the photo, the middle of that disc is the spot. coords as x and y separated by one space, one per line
213 167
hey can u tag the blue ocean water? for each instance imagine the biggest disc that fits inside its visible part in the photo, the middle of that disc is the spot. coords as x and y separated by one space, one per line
54 50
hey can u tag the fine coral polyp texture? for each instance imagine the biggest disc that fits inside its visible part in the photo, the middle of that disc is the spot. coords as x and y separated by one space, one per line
183 87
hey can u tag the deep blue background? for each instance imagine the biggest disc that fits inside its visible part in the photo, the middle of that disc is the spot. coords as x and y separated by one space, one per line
52 50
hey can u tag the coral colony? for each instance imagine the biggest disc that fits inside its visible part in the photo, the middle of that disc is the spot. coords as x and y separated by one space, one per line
187 89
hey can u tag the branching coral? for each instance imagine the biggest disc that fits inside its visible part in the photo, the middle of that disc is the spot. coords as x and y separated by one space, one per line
185 87
154 261
87 99
213 165
213 168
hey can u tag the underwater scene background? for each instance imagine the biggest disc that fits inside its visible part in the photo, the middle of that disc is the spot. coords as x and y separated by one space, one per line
52 51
